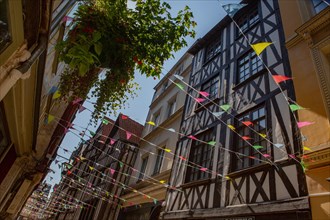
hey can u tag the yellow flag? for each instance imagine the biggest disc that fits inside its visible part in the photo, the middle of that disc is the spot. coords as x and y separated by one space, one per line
162 181
167 150
231 127
151 123
56 94
263 135
258 48
50 118
307 148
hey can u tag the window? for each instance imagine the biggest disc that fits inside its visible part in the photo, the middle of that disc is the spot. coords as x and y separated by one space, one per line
165 85
200 154
5 35
248 65
159 160
157 118
247 21
319 5
143 167
211 87
212 50
258 118
171 107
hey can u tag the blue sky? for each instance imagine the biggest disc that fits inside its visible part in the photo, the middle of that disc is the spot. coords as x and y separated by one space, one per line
207 13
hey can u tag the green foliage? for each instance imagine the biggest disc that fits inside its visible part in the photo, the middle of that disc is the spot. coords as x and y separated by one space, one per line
107 36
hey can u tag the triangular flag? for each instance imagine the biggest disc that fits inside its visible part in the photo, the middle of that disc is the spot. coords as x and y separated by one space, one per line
167 150
292 156
199 100
259 47
304 123
112 141
112 171
179 86
50 118
178 77
182 158
205 94
294 107
92 133
257 147
121 164
56 95
266 155
105 121
81 109
217 114
171 129
278 145
162 181
231 127
246 138
280 78
247 123
76 101
225 107
124 117
192 137
128 135
67 18
307 148
262 135
151 123
203 169
52 90
91 168
231 9
155 201
82 158
69 172
213 143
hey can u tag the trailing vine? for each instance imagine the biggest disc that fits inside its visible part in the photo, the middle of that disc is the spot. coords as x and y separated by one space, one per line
109 37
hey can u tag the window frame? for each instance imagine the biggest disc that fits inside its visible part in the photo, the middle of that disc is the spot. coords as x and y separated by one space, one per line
251 19
248 58
240 145
159 161
171 107
212 50
143 168
316 5
197 155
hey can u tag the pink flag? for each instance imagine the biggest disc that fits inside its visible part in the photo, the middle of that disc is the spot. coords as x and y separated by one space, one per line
182 158
203 169
205 94
304 123
124 117
280 78
128 135
266 155
76 101
66 130
112 141
112 171
81 109
199 100
192 137
292 156
67 18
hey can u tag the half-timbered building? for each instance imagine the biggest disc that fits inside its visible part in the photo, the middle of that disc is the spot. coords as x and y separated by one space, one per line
239 157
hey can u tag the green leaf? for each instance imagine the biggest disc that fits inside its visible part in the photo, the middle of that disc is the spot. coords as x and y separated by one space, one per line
83 68
96 36
98 48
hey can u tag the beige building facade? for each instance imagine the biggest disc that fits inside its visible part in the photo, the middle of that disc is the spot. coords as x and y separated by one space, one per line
157 146
306 27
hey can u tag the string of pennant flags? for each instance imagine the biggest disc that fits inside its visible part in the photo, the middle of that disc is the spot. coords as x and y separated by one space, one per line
231 9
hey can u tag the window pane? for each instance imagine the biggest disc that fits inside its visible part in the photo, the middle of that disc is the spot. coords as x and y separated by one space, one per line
5 35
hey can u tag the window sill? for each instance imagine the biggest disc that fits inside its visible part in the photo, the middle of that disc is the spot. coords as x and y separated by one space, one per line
251 169
254 76
197 183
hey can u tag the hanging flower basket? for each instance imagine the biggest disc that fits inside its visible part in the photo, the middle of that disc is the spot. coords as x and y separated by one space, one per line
109 38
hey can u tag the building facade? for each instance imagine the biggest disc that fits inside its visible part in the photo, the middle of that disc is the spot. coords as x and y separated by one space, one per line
28 70
155 158
240 155
99 171
307 34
